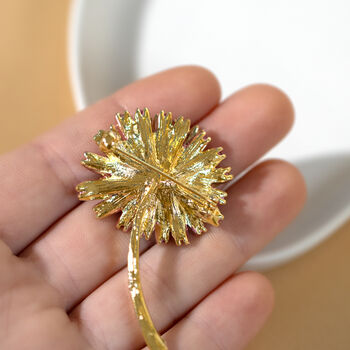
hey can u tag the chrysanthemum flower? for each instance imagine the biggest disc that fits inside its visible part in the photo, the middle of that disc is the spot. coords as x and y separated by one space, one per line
160 178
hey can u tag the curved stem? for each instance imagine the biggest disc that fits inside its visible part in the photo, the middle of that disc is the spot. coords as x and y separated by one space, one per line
150 334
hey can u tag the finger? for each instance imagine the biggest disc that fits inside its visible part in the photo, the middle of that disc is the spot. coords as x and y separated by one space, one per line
81 252
175 279
21 284
45 172
228 318
31 314
249 123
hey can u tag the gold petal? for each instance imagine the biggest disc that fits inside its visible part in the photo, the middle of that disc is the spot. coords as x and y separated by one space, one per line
203 186
217 195
175 148
107 140
128 214
195 223
207 176
209 158
220 175
130 131
206 213
146 134
163 135
125 123
145 218
162 225
98 189
177 221
195 147
194 132
110 165
112 204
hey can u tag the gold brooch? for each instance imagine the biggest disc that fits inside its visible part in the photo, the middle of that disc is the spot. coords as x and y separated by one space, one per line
159 174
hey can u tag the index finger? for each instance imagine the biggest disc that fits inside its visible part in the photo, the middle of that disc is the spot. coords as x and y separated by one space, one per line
44 173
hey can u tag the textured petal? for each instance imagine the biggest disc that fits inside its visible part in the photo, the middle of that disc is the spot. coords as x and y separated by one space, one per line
147 136
99 189
107 140
125 124
112 204
128 214
175 148
162 225
145 218
163 135
192 134
130 131
209 158
203 210
204 187
110 165
177 221
219 175
195 144
195 223
207 176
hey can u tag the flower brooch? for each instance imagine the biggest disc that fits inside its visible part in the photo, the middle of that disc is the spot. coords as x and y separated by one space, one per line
158 173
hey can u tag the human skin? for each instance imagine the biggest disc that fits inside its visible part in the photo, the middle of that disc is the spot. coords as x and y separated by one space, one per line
63 278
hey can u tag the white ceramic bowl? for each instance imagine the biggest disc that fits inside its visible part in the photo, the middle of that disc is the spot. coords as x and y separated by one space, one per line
303 48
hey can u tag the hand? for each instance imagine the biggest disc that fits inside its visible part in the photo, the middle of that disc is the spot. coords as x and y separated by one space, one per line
63 281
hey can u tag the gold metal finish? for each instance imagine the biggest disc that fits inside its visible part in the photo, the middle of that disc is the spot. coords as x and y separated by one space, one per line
158 173
167 176
150 334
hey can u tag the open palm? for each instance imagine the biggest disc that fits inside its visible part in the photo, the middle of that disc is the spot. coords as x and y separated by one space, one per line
63 278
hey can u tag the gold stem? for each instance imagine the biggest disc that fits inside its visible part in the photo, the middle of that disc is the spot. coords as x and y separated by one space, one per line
150 334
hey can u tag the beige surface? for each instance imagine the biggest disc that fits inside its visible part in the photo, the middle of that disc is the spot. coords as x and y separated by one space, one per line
312 294
34 88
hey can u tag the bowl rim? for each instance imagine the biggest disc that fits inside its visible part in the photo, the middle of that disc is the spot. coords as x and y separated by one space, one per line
73 53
